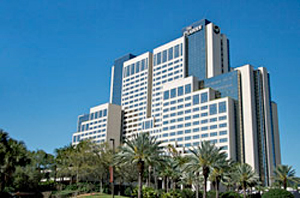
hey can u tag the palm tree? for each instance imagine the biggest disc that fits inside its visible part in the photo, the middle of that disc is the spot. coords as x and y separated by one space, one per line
219 169
285 175
201 161
245 176
140 150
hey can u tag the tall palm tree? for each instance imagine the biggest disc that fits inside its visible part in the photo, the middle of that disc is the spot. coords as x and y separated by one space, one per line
201 161
245 176
140 150
219 169
285 175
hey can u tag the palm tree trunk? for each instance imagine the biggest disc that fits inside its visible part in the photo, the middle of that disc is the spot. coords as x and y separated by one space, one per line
167 184
205 187
244 191
140 171
284 184
217 189
149 176
155 179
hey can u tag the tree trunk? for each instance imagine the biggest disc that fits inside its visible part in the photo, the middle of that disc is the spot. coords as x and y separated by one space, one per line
149 176
217 188
197 189
205 187
140 171
167 184
244 191
155 180
284 184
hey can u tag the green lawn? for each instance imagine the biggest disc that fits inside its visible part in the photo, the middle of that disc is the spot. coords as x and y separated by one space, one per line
101 195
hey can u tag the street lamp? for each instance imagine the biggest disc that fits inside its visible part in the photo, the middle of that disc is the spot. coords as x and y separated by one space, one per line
112 171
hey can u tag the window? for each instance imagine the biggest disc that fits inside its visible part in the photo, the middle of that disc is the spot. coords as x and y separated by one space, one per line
179 119
172 108
203 107
172 134
195 99
187 117
179 139
187 124
158 58
223 125
223 140
166 95
213 141
213 127
170 50
132 69
204 128
188 111
196 116
137 67
180 106
196 130
180 113
203 114
187 138
224 148
204 97
212 109
205 135
180 91
176 51
173 93
105 112
188 131
213 120
165 135
222 107
92 116
187 89
196 137
179 132
213 134
188 105
222 118
196 109
223 133
187 98
164 58
196 123
179 126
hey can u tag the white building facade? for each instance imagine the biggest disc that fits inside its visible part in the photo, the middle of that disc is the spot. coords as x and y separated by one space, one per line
185 92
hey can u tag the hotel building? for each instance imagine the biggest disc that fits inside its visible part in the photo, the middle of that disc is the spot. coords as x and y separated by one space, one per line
185 92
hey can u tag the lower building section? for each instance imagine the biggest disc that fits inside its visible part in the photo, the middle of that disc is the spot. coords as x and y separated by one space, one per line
102 124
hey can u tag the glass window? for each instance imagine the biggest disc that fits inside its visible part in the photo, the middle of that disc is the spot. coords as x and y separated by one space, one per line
188 105
165 135
222 107
92 116
203 114
143 65
195 109
196 116
196 137
173 114
196 130
213 134
173 102
180 91
223 125
173 120
173 93
158 58
195 99
137 67
172 108
204 128
204 97
176 51
205 135
187 89
187 138
222 117
179 132
212 109
180 106
187 117
166 95
187 124
132 69
213 141
180 113
204 121
170 57
100 114
127 71
188 131
213 120
187 98
188 111
179 139
223 132
224 148
204 108
172 134
213 127
223 140
196 123
179 119
105 112
164 56
96 115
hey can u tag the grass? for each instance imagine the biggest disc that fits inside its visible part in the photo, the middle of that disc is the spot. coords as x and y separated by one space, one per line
99 195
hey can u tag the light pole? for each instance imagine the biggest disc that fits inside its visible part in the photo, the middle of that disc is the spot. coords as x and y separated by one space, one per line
112 171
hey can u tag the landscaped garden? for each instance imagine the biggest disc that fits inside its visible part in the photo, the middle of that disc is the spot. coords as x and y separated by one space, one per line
141 168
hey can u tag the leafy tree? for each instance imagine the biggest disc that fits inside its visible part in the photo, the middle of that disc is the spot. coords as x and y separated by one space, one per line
139 150
284 175
245 176
278 193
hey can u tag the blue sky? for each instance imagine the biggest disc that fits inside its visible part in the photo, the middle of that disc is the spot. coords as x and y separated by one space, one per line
55 57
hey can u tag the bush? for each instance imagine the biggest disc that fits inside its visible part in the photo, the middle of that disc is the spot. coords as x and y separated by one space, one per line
277 193
172 194
257 195
188 193
147 192
128 191
230 194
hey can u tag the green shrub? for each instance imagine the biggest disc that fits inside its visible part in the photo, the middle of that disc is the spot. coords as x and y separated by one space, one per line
147 192
171 194
187 193
128 191
230 194
257 195
277 193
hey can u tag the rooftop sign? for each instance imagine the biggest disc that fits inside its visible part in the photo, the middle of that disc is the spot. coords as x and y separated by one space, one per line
191 30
